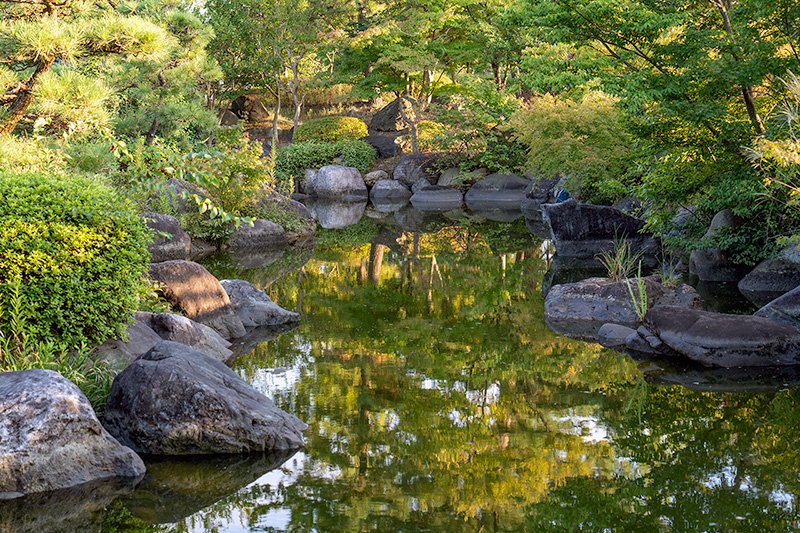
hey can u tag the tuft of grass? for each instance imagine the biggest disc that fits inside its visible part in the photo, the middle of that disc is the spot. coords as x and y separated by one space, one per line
621 261
639 296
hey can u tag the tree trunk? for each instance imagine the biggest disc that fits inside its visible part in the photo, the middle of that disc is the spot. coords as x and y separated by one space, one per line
376 262
24 98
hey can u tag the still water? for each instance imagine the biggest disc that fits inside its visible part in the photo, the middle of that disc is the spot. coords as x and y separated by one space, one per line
438 400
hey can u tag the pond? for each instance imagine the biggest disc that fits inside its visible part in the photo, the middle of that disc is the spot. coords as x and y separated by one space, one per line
438 400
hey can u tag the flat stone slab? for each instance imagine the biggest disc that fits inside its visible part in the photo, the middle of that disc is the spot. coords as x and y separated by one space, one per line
720 340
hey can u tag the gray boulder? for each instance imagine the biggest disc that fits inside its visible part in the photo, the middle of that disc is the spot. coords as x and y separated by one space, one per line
714 264
178 328
413 167
192 290
254 307
389 190
50 438
177 401
169 239
584 230
770 279
249 107
499 190
716 339
386 145
261 235
120 353
613 335
541 190
580 309
389 118
374 177
336 181
784 309
455 177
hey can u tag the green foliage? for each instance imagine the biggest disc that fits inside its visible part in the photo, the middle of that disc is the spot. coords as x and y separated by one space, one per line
330 129
620 262
584 140
639 295
78 252
293 160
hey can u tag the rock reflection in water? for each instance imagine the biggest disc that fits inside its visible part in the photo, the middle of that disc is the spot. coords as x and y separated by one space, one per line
332 214
176 488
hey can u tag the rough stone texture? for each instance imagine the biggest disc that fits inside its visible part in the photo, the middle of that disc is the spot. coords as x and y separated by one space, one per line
177 401
413 167
535 223
785 309
334 214
716 339
388 118
169 240
713 264
541 190
682 295
374 177
50 438
579 309
436 198
583 230
507 190
613 335
336 181
635 342
254 307
307 184
386 144
119 353
389 189
192 290
178 328
769 280
632 206
263 234
250 108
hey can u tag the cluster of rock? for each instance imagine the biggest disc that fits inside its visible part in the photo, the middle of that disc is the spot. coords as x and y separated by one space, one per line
175 395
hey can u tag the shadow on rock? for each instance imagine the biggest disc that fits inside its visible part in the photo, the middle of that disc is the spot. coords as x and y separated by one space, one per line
176 488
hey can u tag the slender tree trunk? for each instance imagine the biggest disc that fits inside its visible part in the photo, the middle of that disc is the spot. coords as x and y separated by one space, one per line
24 98
376 262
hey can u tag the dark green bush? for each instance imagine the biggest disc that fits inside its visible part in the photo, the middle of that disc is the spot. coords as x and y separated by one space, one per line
293 160
331 129
356 154
78 253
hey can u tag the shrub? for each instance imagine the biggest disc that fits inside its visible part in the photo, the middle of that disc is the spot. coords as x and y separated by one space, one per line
78 253
356 154
331 129
293 160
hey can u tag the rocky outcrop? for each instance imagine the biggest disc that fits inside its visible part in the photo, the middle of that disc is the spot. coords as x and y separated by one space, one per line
389 189
414 167
192 290
389 118
178 328
249 107
499 190
374 177
436 198
540 191
386 144
583 230
120 353
785 309
721 340
51 439
260 235
772 278
169 239
177 401
335 181
254 307
715 264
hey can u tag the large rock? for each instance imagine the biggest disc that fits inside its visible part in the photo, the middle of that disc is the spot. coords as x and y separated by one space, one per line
541 190
583 230
250 108
178 328
177 401
437 198
506 190
580 309
386 145
336 181
254 307
374 177
389 189
261 235
120 353
414 167
770 279
785 309
51 439
192 290
716 339
169 239
455 177
715 264
389 118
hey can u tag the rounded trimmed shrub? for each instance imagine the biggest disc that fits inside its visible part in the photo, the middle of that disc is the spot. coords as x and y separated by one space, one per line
330 129
77 252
